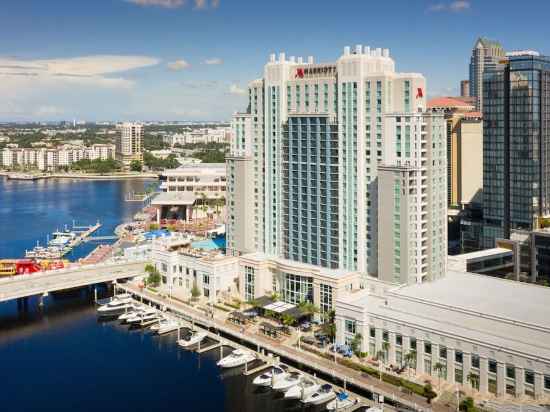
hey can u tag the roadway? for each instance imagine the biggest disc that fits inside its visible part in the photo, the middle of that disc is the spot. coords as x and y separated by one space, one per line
21 286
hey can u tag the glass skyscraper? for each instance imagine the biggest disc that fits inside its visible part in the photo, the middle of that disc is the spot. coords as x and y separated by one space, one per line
516 158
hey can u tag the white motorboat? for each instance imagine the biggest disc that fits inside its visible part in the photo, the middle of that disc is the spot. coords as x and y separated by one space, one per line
307 387
292 379
193 339
324 394
144 316
115 307
102 302
237 358
270 377
165 326
134 310
342 401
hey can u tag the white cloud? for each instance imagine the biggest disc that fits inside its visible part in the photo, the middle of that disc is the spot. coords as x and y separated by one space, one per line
459 5
178 65
84 69
205 4
455 6
235 89
213 61
38 88
167 4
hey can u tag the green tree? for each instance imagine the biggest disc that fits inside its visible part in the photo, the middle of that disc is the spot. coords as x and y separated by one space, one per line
135 166
154 275
473 379
356 343
307 308
288 320
429 393
439 368
195 291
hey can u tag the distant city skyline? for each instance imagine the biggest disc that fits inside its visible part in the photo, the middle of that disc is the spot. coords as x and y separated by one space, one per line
192 60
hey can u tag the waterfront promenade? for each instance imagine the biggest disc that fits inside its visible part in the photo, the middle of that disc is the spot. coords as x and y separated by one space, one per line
288 351
22 286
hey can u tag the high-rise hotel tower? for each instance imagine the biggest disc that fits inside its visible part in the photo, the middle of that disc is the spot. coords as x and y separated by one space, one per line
336 165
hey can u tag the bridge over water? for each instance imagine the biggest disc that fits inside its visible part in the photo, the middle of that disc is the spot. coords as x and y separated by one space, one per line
22 286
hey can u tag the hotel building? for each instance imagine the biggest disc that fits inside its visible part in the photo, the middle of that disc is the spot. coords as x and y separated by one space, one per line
325 136
129 143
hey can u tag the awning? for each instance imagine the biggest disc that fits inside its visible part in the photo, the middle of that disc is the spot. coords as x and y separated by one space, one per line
279 307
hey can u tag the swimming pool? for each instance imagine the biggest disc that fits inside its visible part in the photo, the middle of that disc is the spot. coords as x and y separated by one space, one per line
210 244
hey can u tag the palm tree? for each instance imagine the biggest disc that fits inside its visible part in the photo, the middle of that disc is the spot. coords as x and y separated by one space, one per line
473 379
386 348
438 367
410 359
204 201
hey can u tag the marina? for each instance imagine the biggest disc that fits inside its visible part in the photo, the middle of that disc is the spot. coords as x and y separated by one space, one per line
226 335
63 242
264 369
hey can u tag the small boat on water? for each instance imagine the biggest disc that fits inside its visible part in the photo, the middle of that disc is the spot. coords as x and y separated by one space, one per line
165 326
238 357
341 402
324 394
102 302
290 380
193 339
130 312
62 239
141 317
306 387
115 307
270 377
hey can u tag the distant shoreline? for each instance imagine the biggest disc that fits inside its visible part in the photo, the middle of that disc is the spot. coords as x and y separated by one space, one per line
86 176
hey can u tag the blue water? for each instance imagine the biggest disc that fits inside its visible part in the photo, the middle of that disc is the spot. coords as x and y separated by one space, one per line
29 211
60 358
210 244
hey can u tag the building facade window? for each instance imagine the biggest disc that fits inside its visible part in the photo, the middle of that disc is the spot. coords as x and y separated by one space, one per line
297 288
249 283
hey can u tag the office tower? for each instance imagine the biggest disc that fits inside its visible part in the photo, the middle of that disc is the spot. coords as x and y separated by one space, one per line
129 143
318 133
412 199
516 143
464 88
486 55
464 150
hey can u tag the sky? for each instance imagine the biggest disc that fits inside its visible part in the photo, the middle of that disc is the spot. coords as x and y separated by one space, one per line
145 60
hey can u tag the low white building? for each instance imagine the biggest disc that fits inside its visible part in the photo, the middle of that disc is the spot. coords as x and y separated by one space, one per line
487 332
214 274
208 179
261 275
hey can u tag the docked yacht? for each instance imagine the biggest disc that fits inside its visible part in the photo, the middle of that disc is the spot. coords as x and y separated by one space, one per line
165 326
238 357
272 376
193 339
147 315
290 380
342 401
130 312
115 307
324 394
306 387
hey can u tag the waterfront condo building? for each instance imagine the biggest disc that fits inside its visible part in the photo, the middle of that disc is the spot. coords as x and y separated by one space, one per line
516 166
486 55
304 175
129 143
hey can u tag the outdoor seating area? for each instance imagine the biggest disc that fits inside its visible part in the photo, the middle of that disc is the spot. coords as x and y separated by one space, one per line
270 330
237 318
